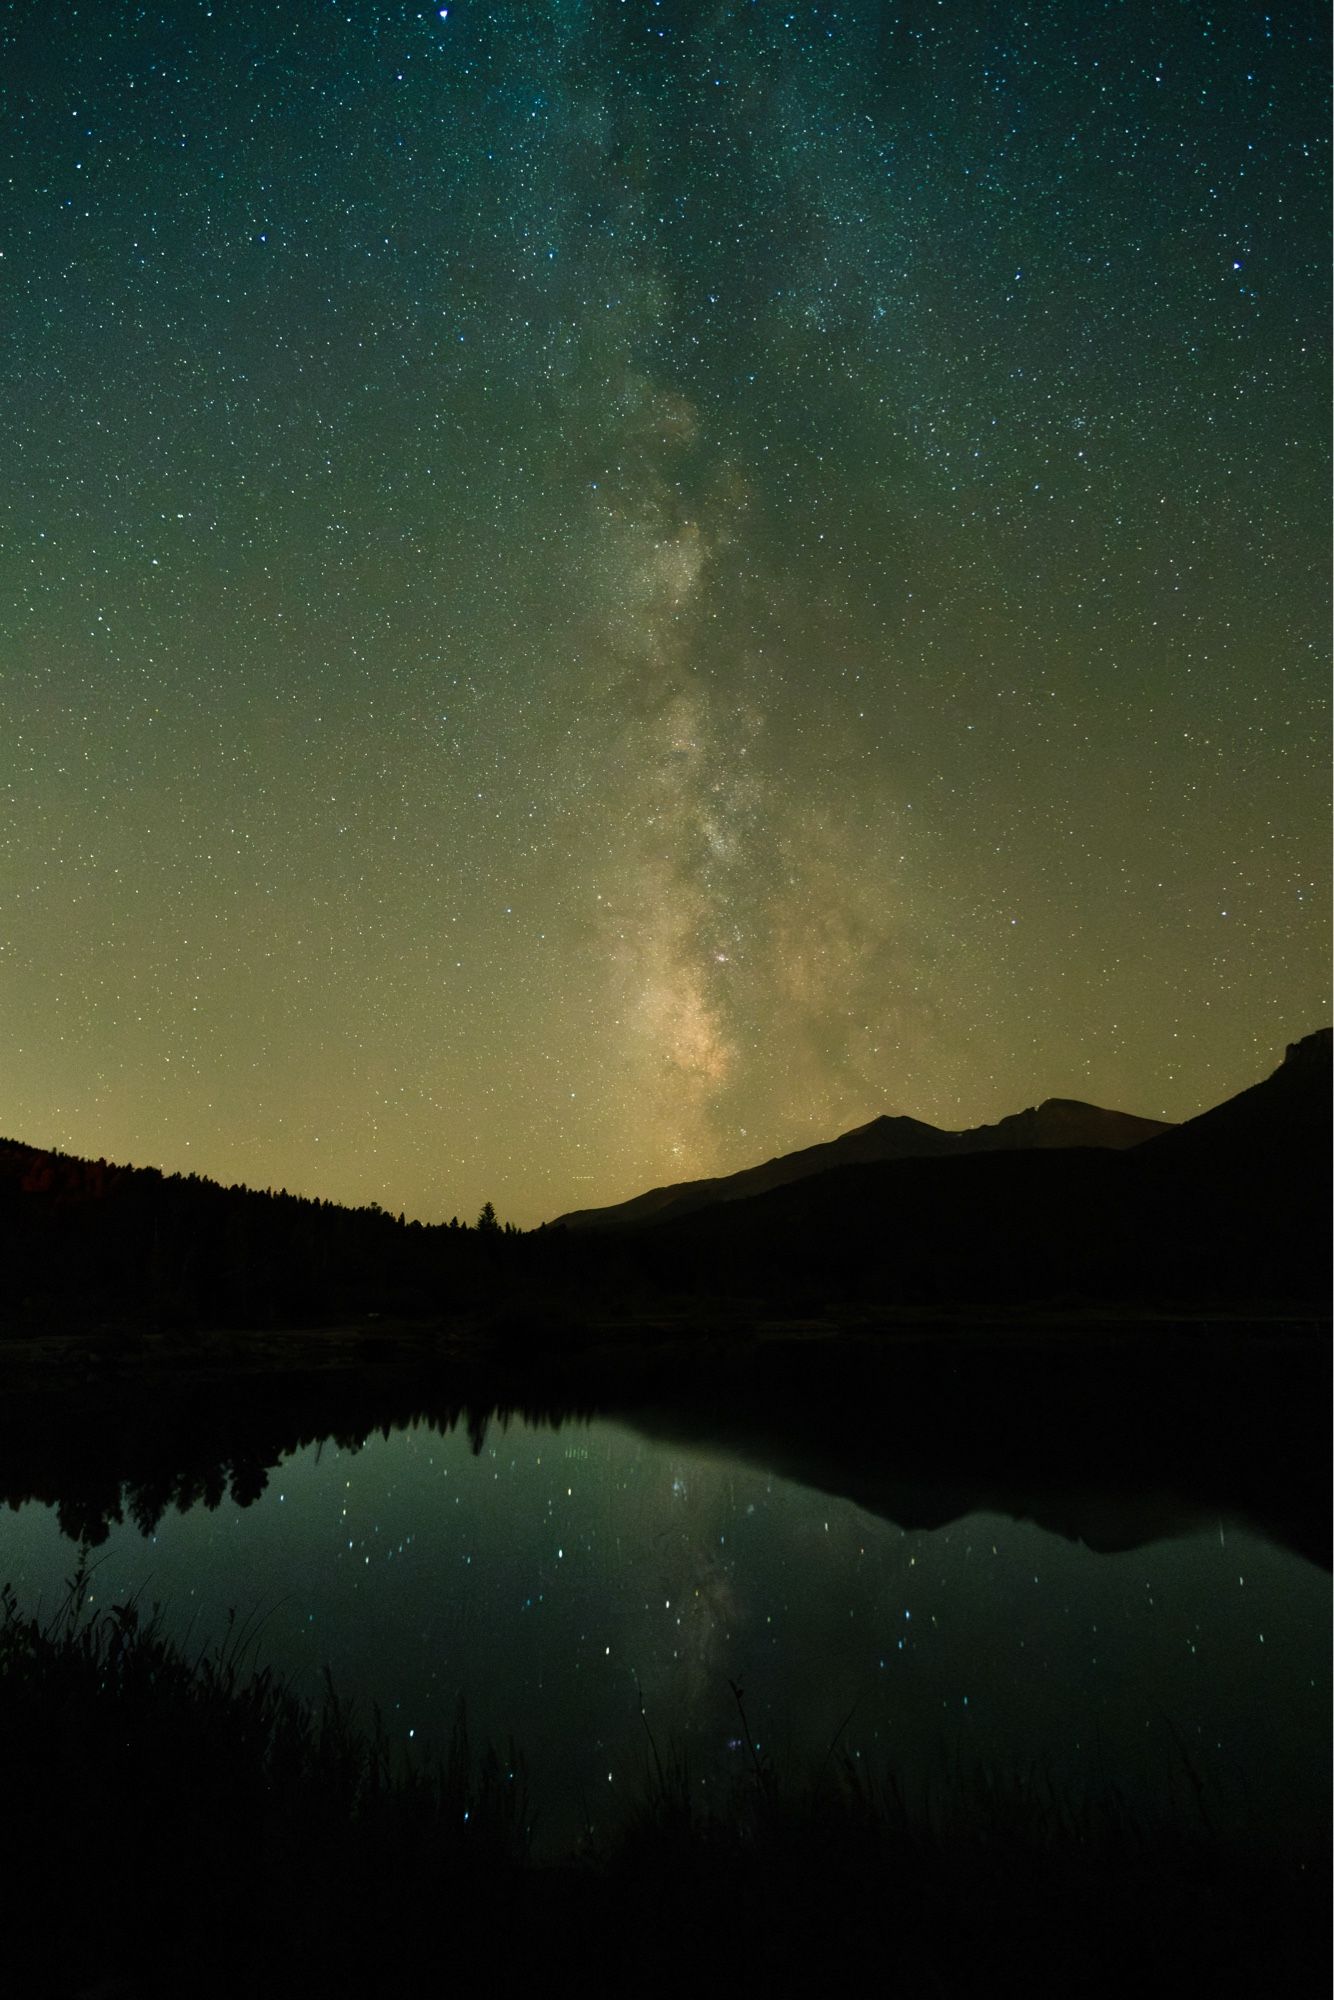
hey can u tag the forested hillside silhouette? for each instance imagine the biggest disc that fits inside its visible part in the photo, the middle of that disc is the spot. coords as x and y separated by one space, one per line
180 1249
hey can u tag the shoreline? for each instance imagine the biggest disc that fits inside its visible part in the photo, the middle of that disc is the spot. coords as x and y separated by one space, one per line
1071 1424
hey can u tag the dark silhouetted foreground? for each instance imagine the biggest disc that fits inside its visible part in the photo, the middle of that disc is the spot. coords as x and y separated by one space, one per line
190 1827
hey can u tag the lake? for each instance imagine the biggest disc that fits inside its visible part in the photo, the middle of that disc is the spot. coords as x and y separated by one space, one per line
559 1576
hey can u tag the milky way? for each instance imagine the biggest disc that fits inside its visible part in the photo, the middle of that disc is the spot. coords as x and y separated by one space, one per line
591 592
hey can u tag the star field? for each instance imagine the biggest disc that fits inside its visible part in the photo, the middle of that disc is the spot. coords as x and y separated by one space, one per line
591 592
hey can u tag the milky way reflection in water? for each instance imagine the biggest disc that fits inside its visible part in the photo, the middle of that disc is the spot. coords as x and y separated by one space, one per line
556 1575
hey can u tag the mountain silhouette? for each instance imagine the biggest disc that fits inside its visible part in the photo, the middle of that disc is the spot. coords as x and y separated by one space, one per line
1060 1206
1057 1123
1285 1115
1231 1207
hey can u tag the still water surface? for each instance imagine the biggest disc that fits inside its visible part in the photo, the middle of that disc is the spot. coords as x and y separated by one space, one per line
557 1576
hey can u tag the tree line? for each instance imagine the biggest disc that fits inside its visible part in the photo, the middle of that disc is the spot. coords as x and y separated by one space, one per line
184 1249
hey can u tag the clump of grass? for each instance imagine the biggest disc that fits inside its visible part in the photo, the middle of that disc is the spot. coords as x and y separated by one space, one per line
989 1885
153 1799
190 1823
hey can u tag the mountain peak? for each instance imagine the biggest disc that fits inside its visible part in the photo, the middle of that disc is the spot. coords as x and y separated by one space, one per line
1311 1052
1057 1122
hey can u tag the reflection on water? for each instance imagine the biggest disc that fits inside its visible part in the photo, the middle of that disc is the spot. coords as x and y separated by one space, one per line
558 1575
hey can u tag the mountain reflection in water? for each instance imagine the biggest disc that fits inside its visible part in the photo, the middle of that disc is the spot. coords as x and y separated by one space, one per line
898 1561
1115 1455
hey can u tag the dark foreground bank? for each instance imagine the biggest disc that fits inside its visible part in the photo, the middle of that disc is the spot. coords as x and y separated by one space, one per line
184 1824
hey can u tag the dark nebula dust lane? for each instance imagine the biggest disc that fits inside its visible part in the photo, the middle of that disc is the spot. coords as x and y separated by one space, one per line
592 592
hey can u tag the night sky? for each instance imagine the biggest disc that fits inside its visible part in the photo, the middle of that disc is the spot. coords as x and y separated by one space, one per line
592 592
